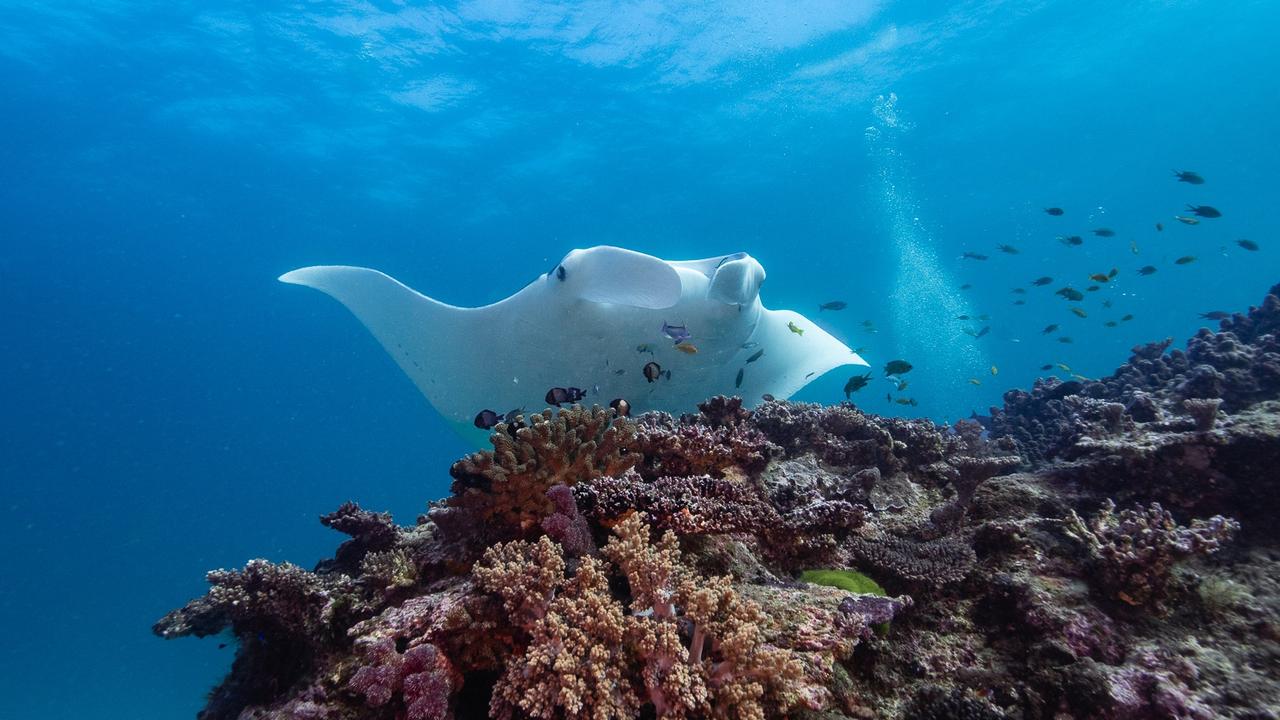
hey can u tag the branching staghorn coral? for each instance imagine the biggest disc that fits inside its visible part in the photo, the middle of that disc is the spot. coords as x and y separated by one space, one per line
504 490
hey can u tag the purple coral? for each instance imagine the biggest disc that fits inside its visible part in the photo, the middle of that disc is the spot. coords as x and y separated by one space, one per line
421 675
1135 550
566 525
689 505
687 449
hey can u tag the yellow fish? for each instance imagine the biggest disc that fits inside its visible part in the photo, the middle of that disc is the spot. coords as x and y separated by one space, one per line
1133 246
1064 367
793 328
995 370
687 348
975 381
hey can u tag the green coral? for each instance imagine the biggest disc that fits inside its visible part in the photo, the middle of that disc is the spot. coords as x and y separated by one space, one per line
850 580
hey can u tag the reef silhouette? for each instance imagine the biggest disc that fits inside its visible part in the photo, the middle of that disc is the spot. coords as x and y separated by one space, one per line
1102 549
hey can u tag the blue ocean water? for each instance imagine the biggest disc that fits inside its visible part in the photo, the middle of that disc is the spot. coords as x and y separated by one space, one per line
168 407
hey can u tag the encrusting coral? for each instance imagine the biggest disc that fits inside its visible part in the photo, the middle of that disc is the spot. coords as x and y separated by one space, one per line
597 567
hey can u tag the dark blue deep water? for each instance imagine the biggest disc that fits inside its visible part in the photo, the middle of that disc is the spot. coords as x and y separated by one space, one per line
167 407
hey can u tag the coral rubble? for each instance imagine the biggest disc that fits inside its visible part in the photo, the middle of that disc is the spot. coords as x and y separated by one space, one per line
594 566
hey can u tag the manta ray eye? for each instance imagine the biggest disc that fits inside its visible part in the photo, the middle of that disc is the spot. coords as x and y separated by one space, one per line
560 272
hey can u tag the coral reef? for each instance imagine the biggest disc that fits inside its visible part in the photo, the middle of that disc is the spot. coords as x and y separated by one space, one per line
1134 551
504 490
591 566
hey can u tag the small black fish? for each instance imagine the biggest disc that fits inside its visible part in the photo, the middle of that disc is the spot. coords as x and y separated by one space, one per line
1042 281
1147 270
737 382
621 407
1106 303
1215 315
1188 176
560 272
767 397
1019 291
652 371
1071 240
619 371
1204 211
1008 249
962 317
1070 293
486 419
1159 227
985 329
1049 329
1064 339
973 256
756 355
1249 245
1185 259
1055 211
1019 302
1104 232
966 286
1046 367
1126 318
806 377
833 305
897 367
1111 323
222 646
856 383
558 395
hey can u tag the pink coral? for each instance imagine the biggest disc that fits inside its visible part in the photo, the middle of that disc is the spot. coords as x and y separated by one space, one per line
566 525
422 676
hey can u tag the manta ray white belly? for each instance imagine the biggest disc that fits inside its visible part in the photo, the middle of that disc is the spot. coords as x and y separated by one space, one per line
593 322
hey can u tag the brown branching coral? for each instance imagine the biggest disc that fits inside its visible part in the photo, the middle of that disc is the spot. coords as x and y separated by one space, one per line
1134 551
504 490
690 646
526 575
728 661
576 663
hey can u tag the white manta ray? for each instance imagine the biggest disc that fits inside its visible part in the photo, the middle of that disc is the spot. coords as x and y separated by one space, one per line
593 322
